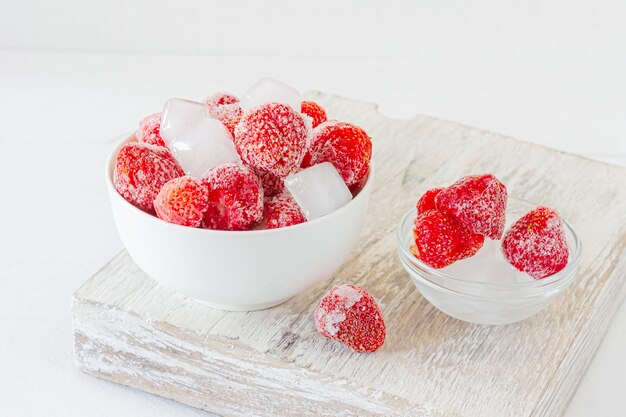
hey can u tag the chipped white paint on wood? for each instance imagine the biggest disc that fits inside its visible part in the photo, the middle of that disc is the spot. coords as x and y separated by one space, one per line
130 330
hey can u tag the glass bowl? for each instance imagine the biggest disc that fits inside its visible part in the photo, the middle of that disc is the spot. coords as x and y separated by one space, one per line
485 289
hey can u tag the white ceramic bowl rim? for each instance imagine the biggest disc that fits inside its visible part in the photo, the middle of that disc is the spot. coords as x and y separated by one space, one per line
311 223
535 287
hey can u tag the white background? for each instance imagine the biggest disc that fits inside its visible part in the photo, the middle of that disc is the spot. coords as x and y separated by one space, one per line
75 75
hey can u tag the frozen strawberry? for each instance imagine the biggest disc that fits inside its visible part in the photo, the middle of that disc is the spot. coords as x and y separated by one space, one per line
306 161
441 241
272 184
229 115
235 198
314 111
536 243
478 202
225 108
356 188
141 170
472 242
220 99
272 138
282 211
427 200
182 201
350 315
344 145
150 130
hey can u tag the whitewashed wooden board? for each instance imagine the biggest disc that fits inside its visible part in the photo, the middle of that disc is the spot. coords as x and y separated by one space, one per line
130 330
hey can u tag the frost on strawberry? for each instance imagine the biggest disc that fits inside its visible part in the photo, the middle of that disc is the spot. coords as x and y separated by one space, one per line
141 170
350 315
272 183
235 198
150 130
220 99
536 243
477 202
272 138
281 211
225 108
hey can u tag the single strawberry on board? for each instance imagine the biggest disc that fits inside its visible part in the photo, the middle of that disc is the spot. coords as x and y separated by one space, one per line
477 202
350 315
536 243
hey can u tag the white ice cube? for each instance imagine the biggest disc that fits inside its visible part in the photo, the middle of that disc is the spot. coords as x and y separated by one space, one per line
269 90
197 141
318 190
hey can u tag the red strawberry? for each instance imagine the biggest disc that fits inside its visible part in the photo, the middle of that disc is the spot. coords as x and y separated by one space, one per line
140 172
356 188
472 242
272 184
182 201
350 315
427 200
282 211
150 130
229 114
235 198
225 108
344 145
306 161
220 99
314 111
477 202
272 138
536 243
441 241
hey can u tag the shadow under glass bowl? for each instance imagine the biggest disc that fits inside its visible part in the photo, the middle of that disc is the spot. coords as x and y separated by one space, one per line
485 302
237 270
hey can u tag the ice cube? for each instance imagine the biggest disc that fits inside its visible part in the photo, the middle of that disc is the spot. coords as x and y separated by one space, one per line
269 90
198 141
318 190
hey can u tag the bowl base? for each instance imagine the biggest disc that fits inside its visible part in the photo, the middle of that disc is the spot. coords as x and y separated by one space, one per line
240 307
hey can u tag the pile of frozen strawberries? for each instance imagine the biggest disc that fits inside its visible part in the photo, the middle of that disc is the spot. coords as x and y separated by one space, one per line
452 224
259 162
271 160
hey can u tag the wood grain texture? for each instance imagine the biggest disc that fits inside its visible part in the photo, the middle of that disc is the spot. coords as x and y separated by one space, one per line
130 330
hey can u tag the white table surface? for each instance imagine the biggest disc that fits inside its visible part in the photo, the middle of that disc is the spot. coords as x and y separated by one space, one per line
60 110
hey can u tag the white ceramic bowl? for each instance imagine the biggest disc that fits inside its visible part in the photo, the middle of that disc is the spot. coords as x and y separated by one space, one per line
477 301
240 271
